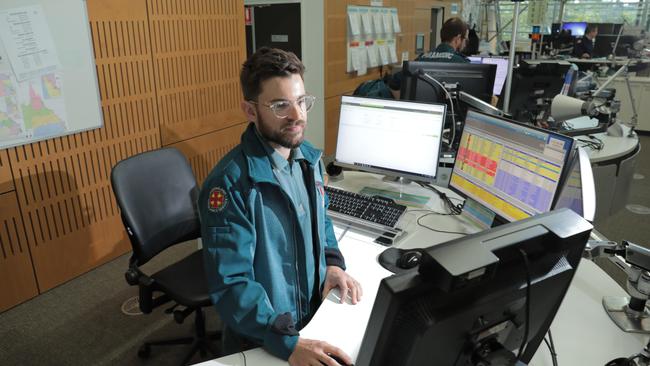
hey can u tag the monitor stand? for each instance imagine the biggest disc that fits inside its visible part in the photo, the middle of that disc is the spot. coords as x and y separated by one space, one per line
400 180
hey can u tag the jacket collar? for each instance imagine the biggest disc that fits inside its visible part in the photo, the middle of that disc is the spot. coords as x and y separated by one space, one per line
259 166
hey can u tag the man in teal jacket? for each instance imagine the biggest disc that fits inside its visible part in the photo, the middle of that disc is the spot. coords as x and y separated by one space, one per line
269 247
453 36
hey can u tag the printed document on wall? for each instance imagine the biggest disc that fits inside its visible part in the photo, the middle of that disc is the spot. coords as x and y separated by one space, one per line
28 42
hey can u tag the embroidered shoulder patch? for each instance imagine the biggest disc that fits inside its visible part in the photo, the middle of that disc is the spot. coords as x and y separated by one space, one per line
217 200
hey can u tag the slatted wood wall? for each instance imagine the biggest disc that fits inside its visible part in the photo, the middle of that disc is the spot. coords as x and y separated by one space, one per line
414 16
167 73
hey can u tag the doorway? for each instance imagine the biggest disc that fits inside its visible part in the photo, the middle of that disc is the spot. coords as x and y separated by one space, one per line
437 17
274 25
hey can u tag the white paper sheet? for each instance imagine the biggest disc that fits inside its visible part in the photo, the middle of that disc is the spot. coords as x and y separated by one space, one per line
396 27
28 42
373 59
354 20
388 22
366 20
383 54
379 23
392 51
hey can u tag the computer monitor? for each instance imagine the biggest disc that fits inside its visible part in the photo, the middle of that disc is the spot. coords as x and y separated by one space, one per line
476 298
392 137
474 79
512 169
578 192
577 28
502 70
534 84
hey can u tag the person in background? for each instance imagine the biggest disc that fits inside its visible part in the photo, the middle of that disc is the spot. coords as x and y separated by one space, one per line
584 47
269 247
453 36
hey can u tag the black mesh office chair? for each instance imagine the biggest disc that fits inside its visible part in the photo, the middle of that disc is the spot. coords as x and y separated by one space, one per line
156 192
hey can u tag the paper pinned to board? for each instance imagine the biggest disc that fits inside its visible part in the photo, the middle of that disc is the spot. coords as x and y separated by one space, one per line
366 21
396 27
354 21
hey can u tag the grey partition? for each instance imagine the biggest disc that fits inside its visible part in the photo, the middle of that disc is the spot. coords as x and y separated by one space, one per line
624 181
605 180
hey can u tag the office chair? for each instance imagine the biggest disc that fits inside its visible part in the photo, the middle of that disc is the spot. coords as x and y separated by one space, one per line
156 192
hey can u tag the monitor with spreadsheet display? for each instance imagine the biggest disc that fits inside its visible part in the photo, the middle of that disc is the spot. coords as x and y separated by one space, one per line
392 137
512 169
502 70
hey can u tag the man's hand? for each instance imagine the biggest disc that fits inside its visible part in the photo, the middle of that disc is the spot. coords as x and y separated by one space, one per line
309 352
336 277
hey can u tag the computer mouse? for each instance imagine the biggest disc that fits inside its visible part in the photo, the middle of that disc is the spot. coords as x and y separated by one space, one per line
409 259
337 359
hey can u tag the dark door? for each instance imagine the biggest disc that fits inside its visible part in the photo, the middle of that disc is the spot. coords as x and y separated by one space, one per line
276 25
437 15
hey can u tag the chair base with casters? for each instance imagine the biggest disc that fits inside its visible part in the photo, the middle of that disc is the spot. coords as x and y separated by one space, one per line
193 295
202 342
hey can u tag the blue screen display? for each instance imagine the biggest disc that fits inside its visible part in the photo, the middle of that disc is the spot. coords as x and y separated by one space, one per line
577 28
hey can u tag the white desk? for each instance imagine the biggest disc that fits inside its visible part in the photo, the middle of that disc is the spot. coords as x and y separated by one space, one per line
583 333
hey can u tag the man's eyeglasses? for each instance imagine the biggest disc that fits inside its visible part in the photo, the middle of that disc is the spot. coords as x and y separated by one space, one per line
282 108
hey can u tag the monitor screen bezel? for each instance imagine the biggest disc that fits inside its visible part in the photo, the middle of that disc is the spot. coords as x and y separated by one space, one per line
499 218
410 80
391 172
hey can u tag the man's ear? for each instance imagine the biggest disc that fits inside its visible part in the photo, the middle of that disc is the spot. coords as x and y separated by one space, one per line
249 110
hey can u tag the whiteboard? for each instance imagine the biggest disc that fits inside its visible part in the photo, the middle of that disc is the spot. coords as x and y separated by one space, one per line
48 81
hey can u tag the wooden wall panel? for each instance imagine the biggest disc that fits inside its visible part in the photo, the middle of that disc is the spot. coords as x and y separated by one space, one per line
17 281
63 184
167 72
204 152
6 180
198 49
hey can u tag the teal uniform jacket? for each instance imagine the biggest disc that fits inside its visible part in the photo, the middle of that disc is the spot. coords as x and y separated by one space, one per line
443 53
254 251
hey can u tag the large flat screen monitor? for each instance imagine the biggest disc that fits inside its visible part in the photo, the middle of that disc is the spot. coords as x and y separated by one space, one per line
474 79
515 170
481 299
577 29
392 137
502 70
533 82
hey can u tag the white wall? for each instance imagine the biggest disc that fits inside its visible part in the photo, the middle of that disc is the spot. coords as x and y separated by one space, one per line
313 56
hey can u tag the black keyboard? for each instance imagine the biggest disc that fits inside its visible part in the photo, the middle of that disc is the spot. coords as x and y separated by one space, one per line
373 209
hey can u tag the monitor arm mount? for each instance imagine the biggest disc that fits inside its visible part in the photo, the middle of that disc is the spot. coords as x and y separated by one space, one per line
631 314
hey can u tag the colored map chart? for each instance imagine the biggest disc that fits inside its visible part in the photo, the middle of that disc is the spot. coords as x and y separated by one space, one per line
10 118
31 109
43 106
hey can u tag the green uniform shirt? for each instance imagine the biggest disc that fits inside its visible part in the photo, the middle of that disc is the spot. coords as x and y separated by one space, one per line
444 53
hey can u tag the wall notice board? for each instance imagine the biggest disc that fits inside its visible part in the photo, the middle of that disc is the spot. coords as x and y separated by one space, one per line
48 82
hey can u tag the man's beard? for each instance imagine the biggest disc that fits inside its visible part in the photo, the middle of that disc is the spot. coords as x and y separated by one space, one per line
282 137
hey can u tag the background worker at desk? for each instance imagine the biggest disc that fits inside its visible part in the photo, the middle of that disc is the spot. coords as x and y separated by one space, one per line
453 36
584 47
269 247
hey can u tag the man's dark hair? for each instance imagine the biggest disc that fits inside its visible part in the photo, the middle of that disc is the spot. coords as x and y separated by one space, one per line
452 28
264 64
590 28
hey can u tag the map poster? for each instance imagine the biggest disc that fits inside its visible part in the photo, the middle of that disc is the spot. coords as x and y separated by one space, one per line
30 109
